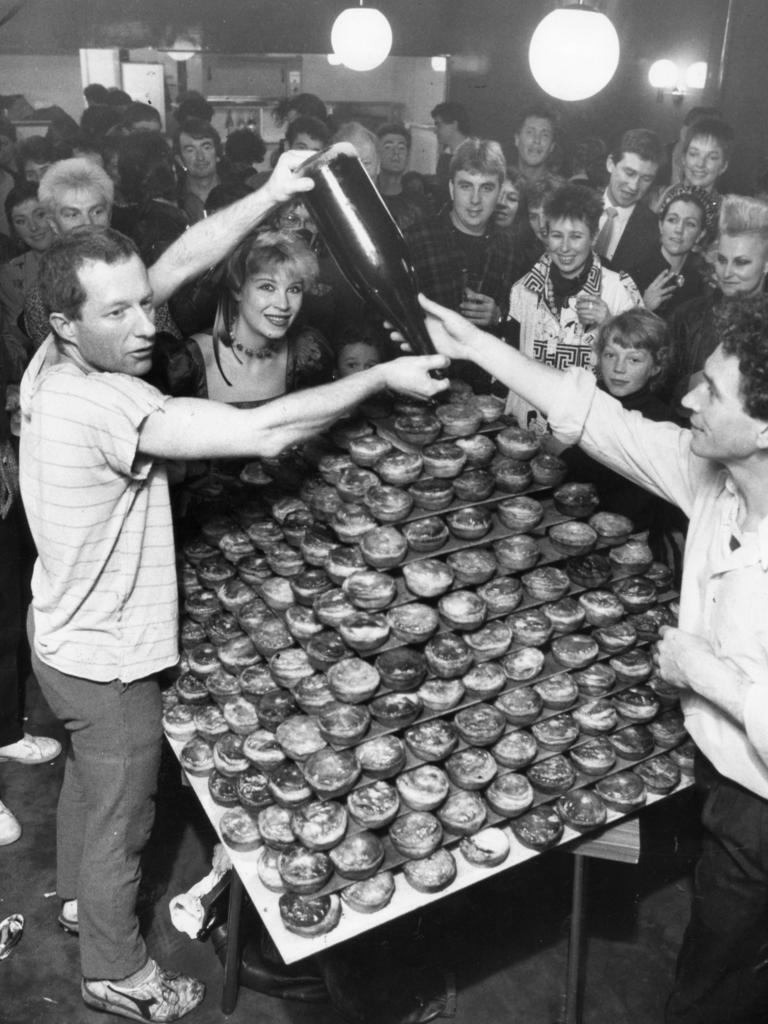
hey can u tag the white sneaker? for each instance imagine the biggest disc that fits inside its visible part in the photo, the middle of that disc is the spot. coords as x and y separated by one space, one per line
10 829
31 750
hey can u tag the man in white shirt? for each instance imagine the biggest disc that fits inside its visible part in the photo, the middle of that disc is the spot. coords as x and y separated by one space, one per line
717 657
628 230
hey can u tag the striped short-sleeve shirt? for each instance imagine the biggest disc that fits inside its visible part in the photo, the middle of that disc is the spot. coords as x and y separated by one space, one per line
104 584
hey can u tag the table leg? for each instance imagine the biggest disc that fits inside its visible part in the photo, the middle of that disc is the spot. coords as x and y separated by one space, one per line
575 943
232 952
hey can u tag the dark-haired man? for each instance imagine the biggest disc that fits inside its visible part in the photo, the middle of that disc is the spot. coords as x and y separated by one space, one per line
535 141
96 94
142 117
460 260
307 132
629 231
95 439
717 472
198 150
394 153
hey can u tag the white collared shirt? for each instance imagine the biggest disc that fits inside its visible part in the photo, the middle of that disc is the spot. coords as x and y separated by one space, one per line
724 595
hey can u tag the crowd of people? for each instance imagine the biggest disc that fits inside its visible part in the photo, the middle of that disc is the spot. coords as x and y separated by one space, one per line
169 297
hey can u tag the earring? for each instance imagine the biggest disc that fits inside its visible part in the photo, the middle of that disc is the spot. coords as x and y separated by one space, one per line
233 325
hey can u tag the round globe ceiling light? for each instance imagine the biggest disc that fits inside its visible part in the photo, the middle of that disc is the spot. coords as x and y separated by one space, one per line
362 38
184 48
696 75
662 74
574 53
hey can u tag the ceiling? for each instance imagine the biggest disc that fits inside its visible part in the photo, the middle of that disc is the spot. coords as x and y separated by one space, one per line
420 27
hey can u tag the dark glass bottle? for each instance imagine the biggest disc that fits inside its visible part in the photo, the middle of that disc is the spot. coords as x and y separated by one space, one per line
364 240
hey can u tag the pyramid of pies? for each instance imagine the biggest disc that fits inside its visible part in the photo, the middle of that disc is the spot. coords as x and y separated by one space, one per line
363 680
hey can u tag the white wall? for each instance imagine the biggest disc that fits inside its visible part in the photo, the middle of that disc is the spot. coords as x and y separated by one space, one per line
407 80
45 80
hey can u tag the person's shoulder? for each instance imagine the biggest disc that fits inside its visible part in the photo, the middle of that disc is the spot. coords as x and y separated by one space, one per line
501 241
33 298
95 386
693 311
521 286
652 406
405 212
534 278
644 215
649 267
15 265
625 279
58 386
114 399
619 290
613 278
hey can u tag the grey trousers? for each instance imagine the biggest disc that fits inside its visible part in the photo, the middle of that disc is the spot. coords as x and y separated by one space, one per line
106 810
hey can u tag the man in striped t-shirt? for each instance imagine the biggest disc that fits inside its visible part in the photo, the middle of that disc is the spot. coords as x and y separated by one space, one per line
104 619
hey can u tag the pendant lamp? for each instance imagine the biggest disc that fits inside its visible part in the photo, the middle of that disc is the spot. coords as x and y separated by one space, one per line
574 52
361 37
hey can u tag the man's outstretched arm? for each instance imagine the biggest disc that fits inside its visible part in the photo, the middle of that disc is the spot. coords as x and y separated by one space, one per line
457 338
195 428
654 455
213 238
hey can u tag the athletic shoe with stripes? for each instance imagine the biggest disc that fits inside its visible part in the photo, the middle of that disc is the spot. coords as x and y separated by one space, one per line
164 996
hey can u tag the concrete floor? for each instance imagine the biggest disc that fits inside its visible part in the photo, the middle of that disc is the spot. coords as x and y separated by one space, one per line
504 942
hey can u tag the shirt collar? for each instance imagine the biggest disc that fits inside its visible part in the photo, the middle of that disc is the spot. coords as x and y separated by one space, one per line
732 522
623 213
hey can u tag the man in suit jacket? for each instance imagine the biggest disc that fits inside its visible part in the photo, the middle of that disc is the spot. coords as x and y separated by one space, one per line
629 230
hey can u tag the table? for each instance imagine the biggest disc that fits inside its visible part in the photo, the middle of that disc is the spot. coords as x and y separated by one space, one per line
619 840
247 531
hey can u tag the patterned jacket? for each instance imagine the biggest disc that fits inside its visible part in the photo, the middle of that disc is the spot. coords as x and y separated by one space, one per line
560 339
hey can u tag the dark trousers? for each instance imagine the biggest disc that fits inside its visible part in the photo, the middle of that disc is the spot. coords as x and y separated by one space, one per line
16 556
106 810
722 970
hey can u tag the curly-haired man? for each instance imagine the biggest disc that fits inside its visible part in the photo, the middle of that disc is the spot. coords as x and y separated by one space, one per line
717 473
